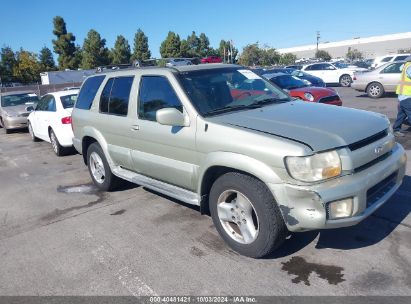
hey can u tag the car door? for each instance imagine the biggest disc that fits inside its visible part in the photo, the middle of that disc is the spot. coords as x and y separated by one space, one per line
163 152
41 120
114 121
390 76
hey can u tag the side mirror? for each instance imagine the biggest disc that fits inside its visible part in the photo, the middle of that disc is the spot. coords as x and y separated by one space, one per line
300 74
171 117
30 109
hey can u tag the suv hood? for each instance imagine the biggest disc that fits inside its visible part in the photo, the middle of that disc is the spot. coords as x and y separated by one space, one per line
319 126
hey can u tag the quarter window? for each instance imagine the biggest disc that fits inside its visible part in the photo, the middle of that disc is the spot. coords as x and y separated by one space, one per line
88 92
156 93
115 96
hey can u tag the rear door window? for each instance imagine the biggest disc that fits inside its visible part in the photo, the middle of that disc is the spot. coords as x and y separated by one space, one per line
394 68
115 96
386 59
88 92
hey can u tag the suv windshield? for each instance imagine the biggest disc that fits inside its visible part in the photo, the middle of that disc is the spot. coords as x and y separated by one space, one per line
18 99
215 91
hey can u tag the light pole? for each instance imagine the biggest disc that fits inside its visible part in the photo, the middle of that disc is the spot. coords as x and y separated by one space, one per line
318 39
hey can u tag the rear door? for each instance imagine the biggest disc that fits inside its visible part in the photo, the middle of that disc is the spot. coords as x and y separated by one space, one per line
45 108
390 76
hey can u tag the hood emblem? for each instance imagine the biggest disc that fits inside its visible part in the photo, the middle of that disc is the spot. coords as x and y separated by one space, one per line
378 150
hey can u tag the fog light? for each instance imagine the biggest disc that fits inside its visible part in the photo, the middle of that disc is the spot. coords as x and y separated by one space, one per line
340 209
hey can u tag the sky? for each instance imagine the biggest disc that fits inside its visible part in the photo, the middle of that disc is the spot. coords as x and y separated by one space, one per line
279 24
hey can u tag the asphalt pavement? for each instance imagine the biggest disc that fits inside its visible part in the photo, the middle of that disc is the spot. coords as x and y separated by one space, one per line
60 236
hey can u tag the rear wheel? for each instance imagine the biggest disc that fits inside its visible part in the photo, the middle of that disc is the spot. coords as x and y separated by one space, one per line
345 80
57 148
245 215
375 90
99 169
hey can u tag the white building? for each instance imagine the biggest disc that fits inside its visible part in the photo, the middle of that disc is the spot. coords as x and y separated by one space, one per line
370 47
58 77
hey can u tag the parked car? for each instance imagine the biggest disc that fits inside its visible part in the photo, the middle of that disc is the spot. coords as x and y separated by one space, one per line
377 82
211 59
296 67
381 60
51 120
13 109
177 62
259 162
313 80
298 88
332 73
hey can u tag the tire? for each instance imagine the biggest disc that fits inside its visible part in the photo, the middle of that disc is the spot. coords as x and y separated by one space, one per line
7 131
98 167
1 122
375 90
232 197
31 132
57 148
345 80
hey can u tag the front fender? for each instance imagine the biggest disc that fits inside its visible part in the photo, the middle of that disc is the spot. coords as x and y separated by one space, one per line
238 162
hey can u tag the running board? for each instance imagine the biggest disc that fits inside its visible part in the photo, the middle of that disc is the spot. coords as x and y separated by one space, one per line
181 194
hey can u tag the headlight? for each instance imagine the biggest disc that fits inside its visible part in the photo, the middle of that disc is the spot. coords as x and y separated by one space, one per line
309 96
11 114
314 168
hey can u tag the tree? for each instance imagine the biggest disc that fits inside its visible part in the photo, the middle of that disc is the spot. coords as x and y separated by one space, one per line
184 49
404 51
203 46
64 45
323 55
120 54
193 44
225 48
254 55
354 54
7 63
141 50
170 47
287 59
94 52
28 68
46 60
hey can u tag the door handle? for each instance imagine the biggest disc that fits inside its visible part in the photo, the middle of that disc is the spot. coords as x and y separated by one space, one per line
135 127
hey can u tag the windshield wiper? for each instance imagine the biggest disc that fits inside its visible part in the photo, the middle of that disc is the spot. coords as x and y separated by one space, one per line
268 100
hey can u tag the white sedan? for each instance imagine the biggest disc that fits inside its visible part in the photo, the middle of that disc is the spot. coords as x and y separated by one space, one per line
51 120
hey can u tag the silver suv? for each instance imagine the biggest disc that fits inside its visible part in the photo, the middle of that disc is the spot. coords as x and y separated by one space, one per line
221 137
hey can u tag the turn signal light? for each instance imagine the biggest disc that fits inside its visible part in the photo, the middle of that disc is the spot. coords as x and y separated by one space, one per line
66 120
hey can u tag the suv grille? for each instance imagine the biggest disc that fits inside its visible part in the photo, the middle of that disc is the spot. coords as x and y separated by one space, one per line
329 98
380 189
369 140
373 162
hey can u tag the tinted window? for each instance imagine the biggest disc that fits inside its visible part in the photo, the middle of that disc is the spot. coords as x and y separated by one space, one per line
400 57
51 104
386 59
43 103
115 95
68 101
105 96
393 68
88 92
120 93
156 93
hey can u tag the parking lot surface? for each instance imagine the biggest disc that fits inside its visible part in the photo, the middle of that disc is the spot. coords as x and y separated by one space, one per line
60 236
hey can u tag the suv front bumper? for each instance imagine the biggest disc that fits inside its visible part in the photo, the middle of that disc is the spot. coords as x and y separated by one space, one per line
304 207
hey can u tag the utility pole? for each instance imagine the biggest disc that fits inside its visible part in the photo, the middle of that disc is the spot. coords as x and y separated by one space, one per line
318 39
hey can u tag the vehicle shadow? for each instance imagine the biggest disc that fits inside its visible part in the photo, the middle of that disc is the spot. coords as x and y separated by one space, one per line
367 233
386 95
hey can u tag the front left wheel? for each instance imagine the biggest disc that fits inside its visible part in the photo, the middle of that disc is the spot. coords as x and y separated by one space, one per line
246 215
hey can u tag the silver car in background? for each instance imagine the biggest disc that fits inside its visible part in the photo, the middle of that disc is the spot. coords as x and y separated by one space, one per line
14 109
383 79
